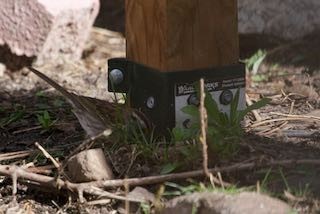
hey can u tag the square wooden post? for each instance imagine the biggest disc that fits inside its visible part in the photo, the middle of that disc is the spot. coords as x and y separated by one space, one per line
174 35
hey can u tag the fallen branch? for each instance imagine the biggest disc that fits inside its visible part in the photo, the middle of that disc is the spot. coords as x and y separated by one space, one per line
15 155
198 173
46 170
22 154
91 187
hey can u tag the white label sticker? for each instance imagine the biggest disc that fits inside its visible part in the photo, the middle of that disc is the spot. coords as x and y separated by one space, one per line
184 90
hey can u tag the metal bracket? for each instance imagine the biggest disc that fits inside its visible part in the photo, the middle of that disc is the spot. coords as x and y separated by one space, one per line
162 94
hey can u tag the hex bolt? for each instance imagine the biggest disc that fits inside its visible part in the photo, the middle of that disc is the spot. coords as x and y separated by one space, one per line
226 97
116 76
187 124
150 102
193 100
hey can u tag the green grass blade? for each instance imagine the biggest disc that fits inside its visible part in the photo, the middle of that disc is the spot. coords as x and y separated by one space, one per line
259 104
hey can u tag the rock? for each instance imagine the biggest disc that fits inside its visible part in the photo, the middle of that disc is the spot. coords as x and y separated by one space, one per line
2 69
50 30
141 194
219 203
89 165
289 19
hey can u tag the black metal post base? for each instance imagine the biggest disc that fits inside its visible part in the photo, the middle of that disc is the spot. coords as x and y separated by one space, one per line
162 94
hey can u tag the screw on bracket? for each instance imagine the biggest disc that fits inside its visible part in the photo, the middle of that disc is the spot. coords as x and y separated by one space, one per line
150 102
193 100
226 97
116 76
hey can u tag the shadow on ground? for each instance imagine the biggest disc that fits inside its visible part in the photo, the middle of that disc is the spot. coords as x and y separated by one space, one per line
300 53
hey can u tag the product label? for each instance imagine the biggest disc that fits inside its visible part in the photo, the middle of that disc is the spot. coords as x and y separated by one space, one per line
216 85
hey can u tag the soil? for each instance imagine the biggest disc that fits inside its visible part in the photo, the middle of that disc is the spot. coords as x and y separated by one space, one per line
289 75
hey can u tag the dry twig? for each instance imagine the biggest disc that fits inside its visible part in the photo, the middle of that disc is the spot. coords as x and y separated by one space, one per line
296 116
93 188
279 127
47 155
27 130
286 117
254 125
203 138
204 124
254 112
127 204
46 170
271 131
15 155
99 202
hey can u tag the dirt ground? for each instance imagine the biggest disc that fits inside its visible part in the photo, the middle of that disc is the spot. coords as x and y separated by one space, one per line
289 75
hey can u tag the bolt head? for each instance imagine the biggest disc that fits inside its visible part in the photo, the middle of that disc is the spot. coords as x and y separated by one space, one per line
116 76
193 100
150 102
187 124
226 97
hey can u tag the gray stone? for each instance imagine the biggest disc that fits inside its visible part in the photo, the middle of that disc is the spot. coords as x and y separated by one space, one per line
142 194
89 165
289 19
219 203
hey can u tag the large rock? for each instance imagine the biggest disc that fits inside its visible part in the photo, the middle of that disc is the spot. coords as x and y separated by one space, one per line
219 203
89 165
289 19
54 30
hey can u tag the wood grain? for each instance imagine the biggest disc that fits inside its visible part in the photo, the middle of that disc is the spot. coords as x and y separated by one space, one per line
182 34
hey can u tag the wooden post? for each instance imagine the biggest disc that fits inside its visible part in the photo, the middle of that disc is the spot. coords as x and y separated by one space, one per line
173 35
